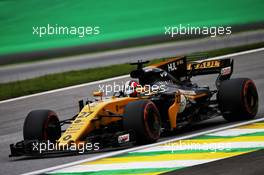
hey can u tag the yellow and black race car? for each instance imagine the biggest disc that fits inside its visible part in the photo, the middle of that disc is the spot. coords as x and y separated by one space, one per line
160 98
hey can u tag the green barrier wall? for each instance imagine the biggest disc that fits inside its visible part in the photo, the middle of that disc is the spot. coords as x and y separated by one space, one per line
117 19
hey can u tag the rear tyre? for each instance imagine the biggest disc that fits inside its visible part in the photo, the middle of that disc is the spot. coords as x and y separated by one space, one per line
238 99
144 119
42 125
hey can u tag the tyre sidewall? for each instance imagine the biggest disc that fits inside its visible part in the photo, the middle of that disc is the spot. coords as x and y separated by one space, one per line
37 123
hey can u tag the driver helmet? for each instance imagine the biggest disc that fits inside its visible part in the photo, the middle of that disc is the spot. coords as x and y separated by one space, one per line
130 88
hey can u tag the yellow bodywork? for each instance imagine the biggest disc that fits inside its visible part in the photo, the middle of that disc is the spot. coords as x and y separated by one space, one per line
93 116
173 110
97 114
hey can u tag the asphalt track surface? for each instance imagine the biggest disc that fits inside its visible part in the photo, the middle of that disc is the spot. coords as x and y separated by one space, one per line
65 104
31 70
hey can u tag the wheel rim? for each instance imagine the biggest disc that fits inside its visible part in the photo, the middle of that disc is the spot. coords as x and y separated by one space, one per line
251 97
152 122
51 129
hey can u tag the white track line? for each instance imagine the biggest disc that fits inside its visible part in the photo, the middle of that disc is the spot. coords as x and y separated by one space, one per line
141 147
116 78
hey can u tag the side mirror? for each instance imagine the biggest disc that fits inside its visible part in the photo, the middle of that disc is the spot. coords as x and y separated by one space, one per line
81 105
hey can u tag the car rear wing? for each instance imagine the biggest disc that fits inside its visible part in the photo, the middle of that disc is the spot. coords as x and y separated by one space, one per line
179 67
212 66
224 68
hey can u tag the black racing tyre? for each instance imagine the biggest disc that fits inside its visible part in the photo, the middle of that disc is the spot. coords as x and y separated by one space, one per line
144 119
42 125
238 99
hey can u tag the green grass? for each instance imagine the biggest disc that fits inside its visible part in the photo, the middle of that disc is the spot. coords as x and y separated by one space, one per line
118 19
59 80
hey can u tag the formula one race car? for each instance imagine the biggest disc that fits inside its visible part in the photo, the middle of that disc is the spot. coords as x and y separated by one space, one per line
161 100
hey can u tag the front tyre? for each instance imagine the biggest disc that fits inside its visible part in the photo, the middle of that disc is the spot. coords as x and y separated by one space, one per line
42 125
144 119
238 99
